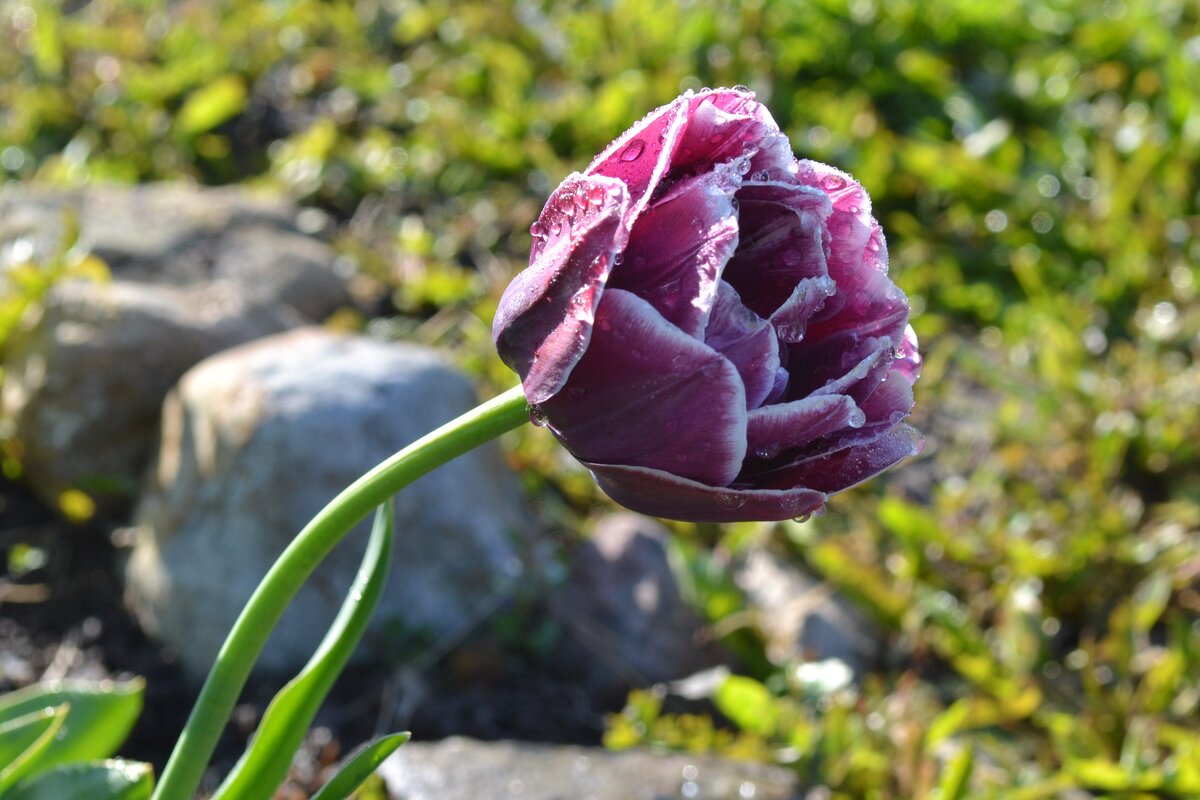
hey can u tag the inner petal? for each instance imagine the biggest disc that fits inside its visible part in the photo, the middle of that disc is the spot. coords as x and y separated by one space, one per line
747 340
782 242
679 246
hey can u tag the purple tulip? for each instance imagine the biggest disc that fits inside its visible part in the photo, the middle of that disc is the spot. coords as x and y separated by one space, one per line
707 323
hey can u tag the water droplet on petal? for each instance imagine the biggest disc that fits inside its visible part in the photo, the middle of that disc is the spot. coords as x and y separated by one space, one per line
596 195
731 500
833 183
555 228
857 418
535 230
537 416
741 87
766 453
633 150
762 175
604 325
803 518
581 198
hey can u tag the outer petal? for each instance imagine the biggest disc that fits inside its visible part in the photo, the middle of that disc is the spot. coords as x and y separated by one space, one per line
661 494
833 472
725 124
646 394
908 357
782 242
641 156
771 430
544 320
747 340
679 246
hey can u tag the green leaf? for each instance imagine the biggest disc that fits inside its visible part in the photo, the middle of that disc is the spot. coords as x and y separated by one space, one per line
359 767
957 776
264 765
102 714
24 739
97 780
749 704
208 107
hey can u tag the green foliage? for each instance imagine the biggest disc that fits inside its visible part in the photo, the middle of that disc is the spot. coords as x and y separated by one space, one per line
1035 166
361 765
54 737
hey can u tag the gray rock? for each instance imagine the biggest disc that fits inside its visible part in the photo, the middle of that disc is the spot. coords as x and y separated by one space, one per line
195 271
257 439
628 625
802 617
463 769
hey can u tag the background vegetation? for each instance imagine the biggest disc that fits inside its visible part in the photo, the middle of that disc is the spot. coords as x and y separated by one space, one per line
1035 166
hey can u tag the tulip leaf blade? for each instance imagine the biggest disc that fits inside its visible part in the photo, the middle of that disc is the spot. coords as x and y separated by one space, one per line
264 765
359 766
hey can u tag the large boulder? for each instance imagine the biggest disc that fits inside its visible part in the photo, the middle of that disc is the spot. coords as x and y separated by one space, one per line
195 271
463 769
257 439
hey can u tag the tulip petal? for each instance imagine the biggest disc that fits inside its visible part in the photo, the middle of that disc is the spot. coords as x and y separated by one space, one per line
635 397
725 125
791 319
854 370
833 472
867 304
544 320
782 242
661 494
641 156
889 403
908 356
747 340
678 247
771 430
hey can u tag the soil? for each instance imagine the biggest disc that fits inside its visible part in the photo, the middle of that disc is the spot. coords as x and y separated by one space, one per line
65 619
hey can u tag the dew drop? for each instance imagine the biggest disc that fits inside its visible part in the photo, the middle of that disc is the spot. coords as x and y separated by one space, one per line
857 418
633 150
716 138
855 210
596 195
618 258
731 501
743 88
762 175
581 198
604 325
637 355
679 363
803 518
766 453
555 228
833 183
535 230
537 416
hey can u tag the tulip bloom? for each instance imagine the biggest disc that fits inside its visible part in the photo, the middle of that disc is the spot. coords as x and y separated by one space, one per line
707 322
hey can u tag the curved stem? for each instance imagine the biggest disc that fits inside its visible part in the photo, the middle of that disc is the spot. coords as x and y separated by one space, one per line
181 776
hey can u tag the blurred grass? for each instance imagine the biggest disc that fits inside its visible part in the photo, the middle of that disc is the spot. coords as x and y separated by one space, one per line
1035 165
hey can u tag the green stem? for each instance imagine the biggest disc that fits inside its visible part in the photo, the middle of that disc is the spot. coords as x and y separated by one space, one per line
181 777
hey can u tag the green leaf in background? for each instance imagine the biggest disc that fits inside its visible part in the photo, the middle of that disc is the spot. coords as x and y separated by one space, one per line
102 714
97 780
23 739
749 704
264 765
209 106
359 767
957 777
